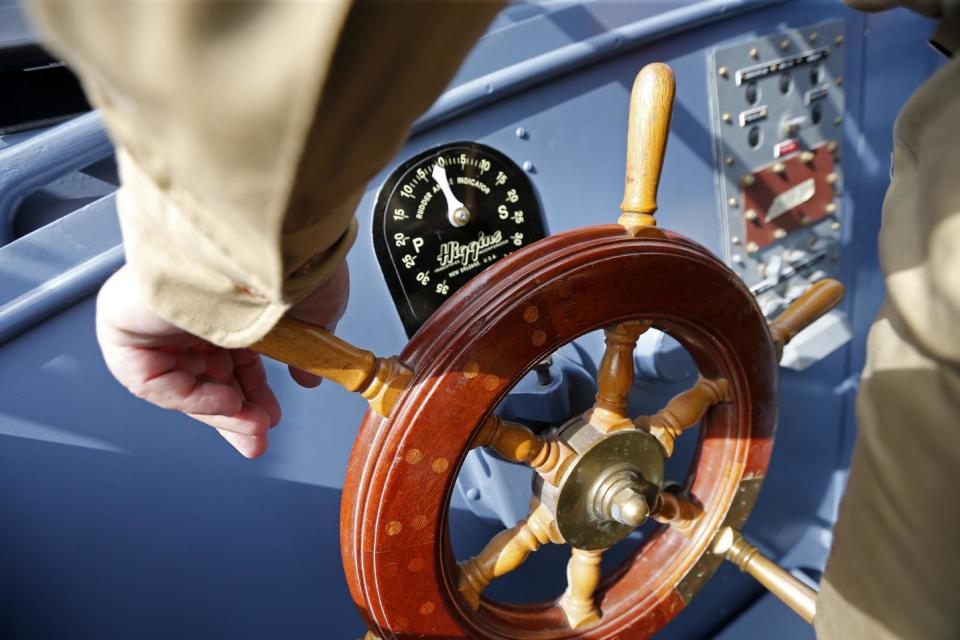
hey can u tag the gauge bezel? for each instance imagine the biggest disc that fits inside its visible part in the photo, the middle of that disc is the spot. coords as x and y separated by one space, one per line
533 226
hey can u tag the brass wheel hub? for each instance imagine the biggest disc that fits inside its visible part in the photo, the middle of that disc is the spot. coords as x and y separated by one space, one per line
608 488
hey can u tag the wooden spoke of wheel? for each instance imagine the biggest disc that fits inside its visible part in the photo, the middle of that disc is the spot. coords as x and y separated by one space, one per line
505 552
583 577
821 297
679 513
615 376
515 442
684 410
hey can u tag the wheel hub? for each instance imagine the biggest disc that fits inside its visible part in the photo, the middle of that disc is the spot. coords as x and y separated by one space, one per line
608 488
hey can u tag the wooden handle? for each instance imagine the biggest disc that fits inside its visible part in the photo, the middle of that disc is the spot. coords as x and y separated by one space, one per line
820 298
651 104
314 349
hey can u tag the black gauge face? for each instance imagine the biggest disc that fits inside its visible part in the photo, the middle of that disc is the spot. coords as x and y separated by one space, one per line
445 215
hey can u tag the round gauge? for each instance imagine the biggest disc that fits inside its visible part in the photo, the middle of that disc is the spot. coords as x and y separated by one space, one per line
445 215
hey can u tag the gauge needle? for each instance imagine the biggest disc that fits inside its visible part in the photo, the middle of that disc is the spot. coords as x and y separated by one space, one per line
457 214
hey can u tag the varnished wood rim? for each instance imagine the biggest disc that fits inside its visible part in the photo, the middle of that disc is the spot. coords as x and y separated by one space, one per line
402 470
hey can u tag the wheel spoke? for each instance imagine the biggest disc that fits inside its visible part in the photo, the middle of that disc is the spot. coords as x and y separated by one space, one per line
684 411
678 512
370 635
615 376
515 442
583 577
505 552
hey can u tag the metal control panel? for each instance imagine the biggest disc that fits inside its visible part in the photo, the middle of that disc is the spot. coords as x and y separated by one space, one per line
778 105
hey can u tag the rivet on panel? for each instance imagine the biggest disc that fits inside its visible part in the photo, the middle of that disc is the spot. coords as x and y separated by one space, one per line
835 226
812 37
735 240
838 40
750 215
521 133
752 247
726 117
779 168
831 208
806 157
748 180
732 202
728 160
528 166
723 72
779 234
784 44
754 53
737 259
832 178
832 146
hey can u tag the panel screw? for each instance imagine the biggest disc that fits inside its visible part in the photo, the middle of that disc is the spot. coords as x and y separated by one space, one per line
521 133
835 226
732 202
528 166
831 178
737 259
473 493
726 117
812 37
748 180
779 168
832 146
752 247
750 215
735 240
723 72
754 53
838 40
806 157
830 208
728 160
784 44
779 234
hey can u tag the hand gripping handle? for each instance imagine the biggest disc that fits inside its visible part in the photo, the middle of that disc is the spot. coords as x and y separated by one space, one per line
651 104
820 298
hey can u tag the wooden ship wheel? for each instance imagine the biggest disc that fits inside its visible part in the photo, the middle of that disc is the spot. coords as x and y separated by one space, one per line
600 475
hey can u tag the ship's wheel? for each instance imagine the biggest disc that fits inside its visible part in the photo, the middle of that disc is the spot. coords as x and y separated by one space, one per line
600 475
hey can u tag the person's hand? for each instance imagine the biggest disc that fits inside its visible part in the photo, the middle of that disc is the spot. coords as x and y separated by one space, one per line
224 388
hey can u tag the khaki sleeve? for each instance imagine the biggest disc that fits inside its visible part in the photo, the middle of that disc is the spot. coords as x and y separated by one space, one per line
894 566
247 131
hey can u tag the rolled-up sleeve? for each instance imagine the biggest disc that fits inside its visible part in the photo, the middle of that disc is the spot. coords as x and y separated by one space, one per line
246 133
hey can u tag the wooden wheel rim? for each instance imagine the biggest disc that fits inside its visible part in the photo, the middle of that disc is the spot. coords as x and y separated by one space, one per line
394 539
